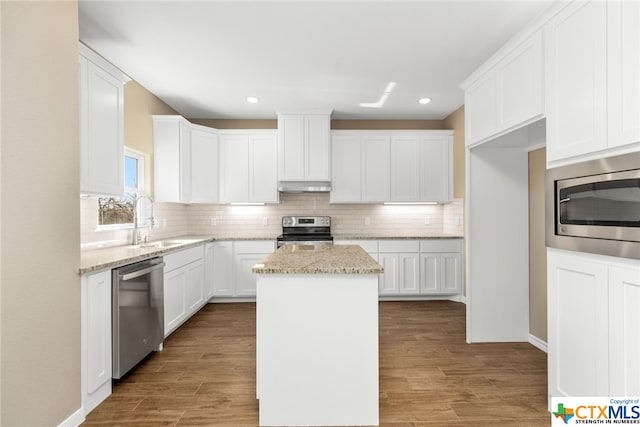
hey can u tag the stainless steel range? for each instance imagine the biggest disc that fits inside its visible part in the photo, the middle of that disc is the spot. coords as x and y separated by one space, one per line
305 230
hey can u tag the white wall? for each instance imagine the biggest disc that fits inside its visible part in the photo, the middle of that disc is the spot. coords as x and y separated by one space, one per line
498 245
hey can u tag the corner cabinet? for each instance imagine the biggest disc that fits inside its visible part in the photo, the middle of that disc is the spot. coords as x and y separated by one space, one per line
232 277
101 125
248 166
304 147
185 161
507 95
96 339
593 77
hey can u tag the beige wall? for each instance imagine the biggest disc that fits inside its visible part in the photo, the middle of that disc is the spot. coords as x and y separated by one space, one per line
237 123
139 106
39 283
537 247
455 121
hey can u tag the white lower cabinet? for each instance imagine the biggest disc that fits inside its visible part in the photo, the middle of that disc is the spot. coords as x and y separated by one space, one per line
624 331
233 262
184 286
593 325
415 267
96 339
441 266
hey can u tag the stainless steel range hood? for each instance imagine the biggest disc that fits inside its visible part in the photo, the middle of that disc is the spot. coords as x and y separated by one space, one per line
304 186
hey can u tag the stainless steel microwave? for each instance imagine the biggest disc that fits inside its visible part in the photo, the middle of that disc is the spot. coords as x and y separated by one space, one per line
594 206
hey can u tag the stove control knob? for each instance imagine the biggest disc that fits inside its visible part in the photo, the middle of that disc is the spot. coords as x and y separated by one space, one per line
287 222
324 221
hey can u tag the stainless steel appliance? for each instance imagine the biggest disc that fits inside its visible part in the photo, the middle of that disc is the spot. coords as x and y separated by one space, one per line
138 313
305 230
594 206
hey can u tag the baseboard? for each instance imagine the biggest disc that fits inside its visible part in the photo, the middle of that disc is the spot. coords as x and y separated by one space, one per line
74 419
538 343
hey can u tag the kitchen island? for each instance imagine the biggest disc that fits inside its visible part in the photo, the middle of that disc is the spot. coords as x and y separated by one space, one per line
317 336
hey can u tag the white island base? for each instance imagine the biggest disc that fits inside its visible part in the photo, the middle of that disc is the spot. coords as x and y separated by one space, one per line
317 349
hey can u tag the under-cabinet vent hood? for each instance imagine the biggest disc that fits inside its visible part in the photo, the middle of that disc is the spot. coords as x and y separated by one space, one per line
304 186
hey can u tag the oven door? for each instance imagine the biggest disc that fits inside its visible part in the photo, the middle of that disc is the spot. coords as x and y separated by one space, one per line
605 206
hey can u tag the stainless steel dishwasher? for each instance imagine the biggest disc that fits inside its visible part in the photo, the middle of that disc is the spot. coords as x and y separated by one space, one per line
137 313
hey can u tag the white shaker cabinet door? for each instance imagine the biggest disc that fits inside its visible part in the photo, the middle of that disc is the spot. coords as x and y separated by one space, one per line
376 183
345 169
175 311
235 168
204 166
389 282
318 147
576 80
405 168
480 108
101 131
263 179
519 84
222 269
624 331
624 72
194 290
578 333
409 271
98 317
436 171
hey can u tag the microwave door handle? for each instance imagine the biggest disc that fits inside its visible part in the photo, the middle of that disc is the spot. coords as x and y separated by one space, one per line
564 200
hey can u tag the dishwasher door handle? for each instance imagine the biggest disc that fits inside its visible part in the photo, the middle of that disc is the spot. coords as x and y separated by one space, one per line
142 272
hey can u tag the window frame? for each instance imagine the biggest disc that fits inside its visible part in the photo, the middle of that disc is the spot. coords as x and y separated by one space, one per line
138 191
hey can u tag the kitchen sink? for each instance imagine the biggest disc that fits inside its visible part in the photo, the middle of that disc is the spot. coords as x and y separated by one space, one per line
161 244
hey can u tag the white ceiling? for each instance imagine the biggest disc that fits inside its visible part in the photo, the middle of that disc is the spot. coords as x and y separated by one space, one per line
203 58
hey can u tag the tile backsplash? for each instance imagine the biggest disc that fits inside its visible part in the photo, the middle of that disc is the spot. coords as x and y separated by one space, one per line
173 219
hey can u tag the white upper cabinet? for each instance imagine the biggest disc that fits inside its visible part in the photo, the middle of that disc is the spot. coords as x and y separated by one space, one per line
576 60
508 94
101 125
172 159
624 72
204 164
391 166
422 167
248 166
519 85
185 161
360 168
303 147
593 80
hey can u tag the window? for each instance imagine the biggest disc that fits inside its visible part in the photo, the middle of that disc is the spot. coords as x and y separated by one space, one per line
118 212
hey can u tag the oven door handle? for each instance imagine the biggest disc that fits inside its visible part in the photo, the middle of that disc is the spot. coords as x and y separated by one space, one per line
565 200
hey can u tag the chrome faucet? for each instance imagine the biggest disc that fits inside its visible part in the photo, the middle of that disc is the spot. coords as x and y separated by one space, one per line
136 239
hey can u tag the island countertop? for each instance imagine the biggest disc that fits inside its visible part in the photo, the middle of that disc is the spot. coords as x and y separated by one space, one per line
319 259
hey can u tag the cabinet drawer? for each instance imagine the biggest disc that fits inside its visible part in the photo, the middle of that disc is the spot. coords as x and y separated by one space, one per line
182 258
369 246
398 246
441 245
254 247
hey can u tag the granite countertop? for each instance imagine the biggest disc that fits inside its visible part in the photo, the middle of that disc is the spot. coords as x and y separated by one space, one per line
319 259
115 256
378 237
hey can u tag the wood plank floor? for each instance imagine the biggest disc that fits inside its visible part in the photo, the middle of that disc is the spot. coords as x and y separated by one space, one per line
429 376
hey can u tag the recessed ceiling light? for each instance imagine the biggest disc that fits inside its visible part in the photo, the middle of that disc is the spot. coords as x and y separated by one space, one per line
253 99
424 101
